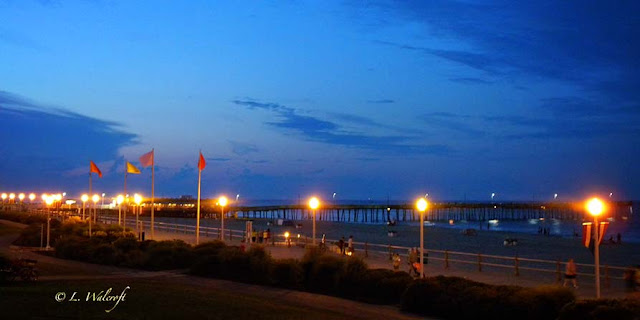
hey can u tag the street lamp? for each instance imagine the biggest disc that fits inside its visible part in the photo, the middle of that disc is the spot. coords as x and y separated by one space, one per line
32 196
595 207
222 202
95 199
84 199
137 199
4 197
48 200
422 205
12 197
21 197
119 200
314 203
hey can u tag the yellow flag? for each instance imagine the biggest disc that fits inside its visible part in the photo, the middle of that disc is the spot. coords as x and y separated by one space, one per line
132 169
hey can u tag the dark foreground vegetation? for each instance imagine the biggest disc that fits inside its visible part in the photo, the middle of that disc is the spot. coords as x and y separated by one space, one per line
318 272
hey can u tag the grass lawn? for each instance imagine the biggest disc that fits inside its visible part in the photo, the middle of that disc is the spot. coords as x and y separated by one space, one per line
147 299
6 229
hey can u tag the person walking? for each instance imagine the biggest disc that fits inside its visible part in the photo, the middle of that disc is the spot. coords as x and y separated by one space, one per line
570 274
350 244
341 245
396 262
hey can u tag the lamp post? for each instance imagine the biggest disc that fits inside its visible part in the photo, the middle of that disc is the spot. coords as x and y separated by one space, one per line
222 202
314 203
119 200
595 207
48 200
137 199
95 199
4 197
84 199
422 207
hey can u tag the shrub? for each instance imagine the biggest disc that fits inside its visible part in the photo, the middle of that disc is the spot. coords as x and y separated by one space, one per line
260 264
325 274
169 254
103 254
383 286
287 273
622 309
73 247
126 244
209 248
457 298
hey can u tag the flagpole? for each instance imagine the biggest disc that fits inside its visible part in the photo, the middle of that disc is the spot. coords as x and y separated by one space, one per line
198 211
153 164
89 192
124 221
90 216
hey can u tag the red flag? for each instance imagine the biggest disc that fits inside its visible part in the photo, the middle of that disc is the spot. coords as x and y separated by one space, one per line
201 163
602 230
586 234
146 159
94 168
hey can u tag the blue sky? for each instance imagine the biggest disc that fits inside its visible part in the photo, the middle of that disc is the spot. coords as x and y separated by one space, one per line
368 99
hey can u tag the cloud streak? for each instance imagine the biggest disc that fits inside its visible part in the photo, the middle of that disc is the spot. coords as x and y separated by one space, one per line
320 130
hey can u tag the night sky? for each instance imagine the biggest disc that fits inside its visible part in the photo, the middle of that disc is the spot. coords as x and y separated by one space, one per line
368 99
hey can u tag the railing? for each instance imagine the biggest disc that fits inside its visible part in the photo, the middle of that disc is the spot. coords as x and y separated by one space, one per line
229 234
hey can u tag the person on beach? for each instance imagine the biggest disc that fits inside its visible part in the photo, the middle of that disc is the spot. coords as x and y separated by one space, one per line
396 262
341 245
323 241
350 244
570 274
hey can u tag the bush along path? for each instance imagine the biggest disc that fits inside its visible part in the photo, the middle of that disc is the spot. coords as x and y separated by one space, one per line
318 272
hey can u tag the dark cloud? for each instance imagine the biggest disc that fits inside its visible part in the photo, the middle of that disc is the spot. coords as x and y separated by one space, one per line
41 144
319 130
593 45
242 148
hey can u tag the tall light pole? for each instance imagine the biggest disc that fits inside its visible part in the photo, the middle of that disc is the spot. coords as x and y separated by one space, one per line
222 202
137 199
119 200
422 205
595 207
48 200
95 199
314 203
84 199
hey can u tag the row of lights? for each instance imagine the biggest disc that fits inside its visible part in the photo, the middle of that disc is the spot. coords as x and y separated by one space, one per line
21 196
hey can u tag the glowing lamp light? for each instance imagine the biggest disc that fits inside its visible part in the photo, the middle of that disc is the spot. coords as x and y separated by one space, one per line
95 198
32 196
119 199
58 197
70 202
21 196
223 201
84 198
137 198
595 207
44 197
314 203
12 196
4 196
48 199
286 234
422 205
